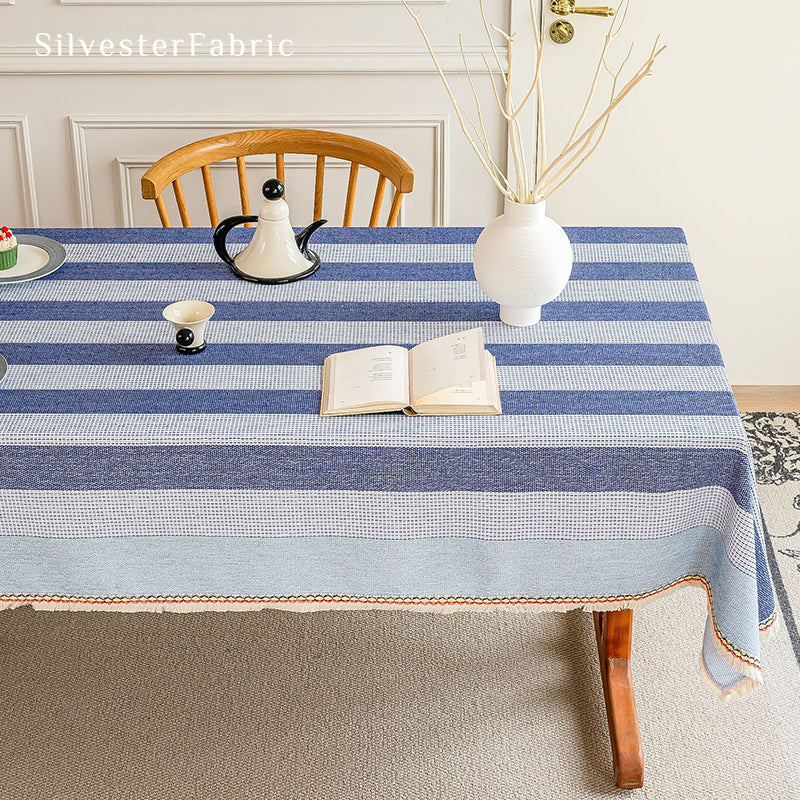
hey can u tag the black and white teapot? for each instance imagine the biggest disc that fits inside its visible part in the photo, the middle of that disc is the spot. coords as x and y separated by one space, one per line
275 254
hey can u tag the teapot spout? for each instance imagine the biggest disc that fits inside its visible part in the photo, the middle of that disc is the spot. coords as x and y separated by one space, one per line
304 235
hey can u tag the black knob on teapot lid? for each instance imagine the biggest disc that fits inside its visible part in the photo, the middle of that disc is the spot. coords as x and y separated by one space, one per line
273 189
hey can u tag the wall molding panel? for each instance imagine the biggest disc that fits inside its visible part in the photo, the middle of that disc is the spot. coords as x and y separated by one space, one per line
307 60
18 125
202 126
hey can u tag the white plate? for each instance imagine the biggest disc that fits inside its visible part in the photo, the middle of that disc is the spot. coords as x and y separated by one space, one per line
37 256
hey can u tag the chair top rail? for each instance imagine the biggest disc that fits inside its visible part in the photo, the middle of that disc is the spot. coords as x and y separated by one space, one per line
282 140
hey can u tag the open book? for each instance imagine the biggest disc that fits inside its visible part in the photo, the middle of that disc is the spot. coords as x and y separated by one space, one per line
454 374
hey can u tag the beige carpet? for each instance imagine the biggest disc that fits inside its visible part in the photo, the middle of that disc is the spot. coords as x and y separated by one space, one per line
396 705
339 705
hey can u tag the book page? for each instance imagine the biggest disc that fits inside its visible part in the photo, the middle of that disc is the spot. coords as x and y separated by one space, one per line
479 397
369 375
447 362
464 394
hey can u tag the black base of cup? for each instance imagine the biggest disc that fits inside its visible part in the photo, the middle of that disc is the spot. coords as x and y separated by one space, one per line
190 351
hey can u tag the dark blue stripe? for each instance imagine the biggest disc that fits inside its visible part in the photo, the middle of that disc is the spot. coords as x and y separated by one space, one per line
354 235
15 401
523 469
667 355
643 235
604 311
644 271
357 311
341 271
257 310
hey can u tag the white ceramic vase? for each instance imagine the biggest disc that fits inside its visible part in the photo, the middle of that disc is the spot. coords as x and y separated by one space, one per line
522 260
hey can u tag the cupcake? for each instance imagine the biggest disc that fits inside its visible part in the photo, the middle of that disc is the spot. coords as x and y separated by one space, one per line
8 248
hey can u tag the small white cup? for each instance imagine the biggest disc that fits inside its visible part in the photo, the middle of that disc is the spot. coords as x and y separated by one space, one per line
189 318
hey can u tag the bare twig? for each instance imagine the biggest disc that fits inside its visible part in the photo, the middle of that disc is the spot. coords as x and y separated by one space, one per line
513 130
544 178
456 107
590 145
500 103
491 40
549 189
484 137
580 143
613 30
540 138
511 113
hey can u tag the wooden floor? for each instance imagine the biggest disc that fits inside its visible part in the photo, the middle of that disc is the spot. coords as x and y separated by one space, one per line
767 398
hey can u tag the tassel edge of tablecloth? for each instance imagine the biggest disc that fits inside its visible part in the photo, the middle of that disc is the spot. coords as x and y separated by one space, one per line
748 666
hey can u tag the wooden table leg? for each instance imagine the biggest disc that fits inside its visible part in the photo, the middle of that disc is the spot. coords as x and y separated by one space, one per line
614 630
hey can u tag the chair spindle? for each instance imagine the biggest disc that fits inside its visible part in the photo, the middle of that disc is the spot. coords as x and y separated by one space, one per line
162 212
181 201
210 199
376 205
319 181
394 211
280 168
244 195
350 202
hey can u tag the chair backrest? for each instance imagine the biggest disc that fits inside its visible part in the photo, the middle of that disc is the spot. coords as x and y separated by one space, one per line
359 152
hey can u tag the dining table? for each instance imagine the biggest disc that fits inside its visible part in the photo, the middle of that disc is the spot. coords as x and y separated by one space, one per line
137 478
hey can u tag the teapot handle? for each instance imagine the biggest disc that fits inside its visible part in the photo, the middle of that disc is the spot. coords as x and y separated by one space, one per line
221 234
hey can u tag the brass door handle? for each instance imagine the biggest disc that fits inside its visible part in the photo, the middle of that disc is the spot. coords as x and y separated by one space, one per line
565 7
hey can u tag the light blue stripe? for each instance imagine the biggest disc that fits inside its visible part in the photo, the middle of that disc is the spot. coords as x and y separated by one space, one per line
105 353
175 566
360 333
394 253
311 291
431 271
272 377
167 565
390 430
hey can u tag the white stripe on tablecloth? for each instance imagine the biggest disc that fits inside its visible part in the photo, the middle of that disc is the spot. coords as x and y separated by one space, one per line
364 333
330 291
493 516
386 430
277 377
362 253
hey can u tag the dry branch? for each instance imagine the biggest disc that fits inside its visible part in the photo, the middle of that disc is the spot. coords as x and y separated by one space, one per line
536 181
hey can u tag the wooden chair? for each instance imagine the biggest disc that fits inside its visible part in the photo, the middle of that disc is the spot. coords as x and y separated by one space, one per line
359 152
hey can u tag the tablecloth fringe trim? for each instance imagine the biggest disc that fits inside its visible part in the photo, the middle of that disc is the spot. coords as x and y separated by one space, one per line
741 661
744 687
768 628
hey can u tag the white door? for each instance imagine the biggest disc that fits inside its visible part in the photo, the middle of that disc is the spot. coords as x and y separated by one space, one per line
708 143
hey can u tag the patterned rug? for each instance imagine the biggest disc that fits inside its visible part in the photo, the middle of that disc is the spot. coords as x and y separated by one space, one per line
775 439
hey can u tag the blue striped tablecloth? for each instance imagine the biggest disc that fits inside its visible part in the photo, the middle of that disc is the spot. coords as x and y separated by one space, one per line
135 478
